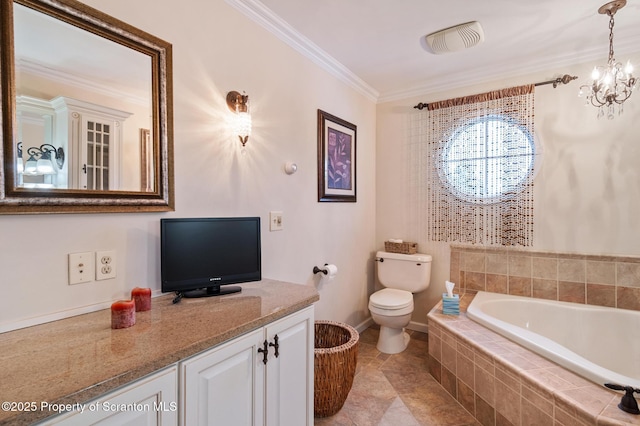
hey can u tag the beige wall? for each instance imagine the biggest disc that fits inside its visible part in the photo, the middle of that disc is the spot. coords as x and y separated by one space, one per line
587 191
216 50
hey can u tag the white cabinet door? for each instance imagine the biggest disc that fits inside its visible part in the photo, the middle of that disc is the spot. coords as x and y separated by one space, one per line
289 382
225 385
152 400
230 385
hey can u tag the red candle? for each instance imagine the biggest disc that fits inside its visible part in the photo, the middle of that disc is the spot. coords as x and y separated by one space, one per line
123 314
142 298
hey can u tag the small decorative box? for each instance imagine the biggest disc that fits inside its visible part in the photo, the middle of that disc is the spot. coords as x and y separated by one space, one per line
450 305
402 248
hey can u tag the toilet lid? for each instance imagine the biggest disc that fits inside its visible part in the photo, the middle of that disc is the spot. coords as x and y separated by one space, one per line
391 298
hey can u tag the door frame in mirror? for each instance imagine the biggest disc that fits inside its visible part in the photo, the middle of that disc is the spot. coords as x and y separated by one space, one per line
18 200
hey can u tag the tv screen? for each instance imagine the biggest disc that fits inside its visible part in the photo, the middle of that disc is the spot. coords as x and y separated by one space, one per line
199 255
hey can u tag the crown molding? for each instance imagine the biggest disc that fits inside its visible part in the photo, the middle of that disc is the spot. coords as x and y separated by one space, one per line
75 80
262 15
495 72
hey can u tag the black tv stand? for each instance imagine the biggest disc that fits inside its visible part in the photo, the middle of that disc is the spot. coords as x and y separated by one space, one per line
212 291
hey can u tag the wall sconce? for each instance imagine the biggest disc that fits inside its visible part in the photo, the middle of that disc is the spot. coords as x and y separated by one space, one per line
19 162
40 161
239 104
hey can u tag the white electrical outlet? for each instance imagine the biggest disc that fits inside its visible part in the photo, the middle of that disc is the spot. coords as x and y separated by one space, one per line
275 221
81 267
105 264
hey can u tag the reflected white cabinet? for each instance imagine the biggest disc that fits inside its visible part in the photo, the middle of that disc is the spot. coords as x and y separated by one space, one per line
232 385
152 400
94 134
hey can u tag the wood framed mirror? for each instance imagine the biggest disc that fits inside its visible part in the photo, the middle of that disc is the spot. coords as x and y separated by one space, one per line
87 120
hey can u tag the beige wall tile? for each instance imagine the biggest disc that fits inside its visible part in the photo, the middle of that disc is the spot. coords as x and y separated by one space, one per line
435 347
448 382
543 402
532 415
474 262
520 266
484 360
435 369
628 274
520 286
485 413
466 397
571 292
544 267
508 378
508 402
449 357
573 270
601 295
497 263
544 289
454 266
497 283
485 385
464 349
465 369
475 281
628 298
601 272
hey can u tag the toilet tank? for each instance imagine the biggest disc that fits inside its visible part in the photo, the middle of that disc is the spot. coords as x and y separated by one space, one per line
409 272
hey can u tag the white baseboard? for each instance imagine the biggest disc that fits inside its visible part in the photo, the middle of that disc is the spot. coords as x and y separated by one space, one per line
415 326
364 325
418 326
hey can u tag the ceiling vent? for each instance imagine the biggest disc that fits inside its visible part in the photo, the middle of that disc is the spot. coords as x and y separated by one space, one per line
455 38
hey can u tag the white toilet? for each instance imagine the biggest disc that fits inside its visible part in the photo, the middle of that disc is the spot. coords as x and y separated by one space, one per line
391 308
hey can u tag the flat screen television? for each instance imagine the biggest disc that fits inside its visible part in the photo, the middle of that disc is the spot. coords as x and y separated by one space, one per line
201 256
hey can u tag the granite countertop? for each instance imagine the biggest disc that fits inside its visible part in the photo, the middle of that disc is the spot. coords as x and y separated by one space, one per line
77 359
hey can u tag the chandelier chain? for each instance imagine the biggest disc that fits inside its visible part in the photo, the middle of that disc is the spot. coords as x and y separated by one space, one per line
611 23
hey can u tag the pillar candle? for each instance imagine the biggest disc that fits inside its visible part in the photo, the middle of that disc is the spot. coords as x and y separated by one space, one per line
123 314
142 298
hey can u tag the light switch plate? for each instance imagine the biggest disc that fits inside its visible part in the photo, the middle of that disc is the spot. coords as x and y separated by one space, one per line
275 221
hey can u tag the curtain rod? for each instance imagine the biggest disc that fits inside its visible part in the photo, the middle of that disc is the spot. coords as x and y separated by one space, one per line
565 79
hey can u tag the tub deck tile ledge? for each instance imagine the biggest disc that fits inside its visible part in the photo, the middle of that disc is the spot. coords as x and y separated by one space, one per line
546 392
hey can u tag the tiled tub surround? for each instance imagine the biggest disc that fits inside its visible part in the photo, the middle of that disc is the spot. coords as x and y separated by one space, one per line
612 281
502 383
77 359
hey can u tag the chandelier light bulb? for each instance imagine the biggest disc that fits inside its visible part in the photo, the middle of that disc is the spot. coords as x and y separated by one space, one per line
595 74
628 69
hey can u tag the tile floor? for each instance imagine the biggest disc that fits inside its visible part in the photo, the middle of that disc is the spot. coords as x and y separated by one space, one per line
396 390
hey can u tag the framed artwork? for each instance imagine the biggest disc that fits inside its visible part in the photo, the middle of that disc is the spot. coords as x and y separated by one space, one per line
336 159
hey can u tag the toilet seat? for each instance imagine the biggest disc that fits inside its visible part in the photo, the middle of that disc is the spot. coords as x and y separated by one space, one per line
391 299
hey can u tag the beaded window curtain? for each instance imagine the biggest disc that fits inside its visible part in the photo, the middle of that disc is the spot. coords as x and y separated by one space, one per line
478 155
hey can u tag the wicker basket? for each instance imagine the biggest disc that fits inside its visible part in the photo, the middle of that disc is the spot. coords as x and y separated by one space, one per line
335 356
404 247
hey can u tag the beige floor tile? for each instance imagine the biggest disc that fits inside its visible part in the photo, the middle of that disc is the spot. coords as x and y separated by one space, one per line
396 390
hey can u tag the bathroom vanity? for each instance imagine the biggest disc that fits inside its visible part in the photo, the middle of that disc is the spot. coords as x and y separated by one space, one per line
201 360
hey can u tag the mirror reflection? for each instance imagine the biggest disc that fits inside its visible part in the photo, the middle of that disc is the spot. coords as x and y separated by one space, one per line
84 99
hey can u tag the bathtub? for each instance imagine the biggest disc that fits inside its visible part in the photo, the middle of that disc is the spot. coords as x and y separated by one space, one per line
600 344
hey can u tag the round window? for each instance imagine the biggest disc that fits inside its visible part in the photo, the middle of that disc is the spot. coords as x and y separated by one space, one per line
487 159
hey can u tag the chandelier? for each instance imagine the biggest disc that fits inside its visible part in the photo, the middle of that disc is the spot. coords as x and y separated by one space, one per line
612 84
